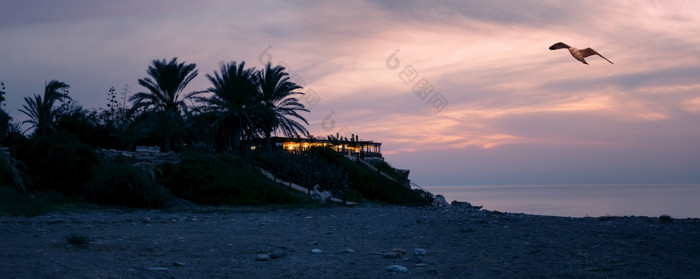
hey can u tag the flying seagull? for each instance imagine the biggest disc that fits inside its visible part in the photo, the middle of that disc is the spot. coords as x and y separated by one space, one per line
579 54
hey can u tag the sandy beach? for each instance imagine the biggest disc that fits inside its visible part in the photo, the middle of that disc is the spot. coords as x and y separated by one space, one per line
344 242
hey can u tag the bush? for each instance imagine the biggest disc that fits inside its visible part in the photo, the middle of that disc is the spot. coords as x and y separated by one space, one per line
14 203
332 171
369 184
305 169
210 179
58 162
124 184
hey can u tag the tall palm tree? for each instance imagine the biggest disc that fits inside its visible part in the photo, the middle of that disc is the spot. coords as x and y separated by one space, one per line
233 100
164 98
165 89
41 111
280 107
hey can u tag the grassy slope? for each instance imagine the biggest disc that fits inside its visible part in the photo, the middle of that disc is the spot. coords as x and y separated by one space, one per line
372 185
210 179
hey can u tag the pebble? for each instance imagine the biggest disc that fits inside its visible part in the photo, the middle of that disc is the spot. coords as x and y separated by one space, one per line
419 252
392 255
262 257
278 254
396 269
397 250
316 251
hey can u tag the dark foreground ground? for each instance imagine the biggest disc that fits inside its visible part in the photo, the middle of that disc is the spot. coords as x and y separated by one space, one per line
359 242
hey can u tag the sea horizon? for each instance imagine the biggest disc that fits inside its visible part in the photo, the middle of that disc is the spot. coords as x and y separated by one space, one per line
580 200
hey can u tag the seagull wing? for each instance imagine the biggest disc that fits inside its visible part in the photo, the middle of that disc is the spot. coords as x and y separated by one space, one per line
559 45
589 51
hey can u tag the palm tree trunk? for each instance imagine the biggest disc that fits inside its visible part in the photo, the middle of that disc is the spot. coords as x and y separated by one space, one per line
268 141
237 131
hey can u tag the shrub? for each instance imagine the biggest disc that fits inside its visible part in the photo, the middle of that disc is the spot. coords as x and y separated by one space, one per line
369 184
666 219
123 184
332 171
210 179
58 162
14 203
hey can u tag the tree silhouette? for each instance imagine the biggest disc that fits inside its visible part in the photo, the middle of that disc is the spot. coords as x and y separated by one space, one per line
41 111
166 84
4 117
279 108
233 102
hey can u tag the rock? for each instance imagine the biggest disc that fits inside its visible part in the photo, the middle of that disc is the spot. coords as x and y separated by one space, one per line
316 251
176 263
440 201
262 257
419 252
392 255
396 269
348 251
465 205
278 254
321 196
397 250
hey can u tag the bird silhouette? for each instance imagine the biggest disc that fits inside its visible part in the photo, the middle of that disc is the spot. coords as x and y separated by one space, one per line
579 54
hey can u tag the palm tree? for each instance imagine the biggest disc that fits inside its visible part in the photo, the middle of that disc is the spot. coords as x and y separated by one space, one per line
164 98
41 112
234 98
279 112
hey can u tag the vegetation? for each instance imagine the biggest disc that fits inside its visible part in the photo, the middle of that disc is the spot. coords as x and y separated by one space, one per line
308 170
371 185
15 203
665 218
279 106
232 103
42 112
56 160
334 172
119 183
4 117
389 170
163 101
211 179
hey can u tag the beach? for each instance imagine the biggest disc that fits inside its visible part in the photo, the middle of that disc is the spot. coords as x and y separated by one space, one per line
344 242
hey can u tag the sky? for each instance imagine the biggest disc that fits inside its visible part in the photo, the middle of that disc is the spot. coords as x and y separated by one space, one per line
459 92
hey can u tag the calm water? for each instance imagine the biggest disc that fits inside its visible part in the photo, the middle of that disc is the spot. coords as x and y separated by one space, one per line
679 201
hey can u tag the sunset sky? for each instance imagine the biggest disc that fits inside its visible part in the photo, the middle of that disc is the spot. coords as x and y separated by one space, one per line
503 108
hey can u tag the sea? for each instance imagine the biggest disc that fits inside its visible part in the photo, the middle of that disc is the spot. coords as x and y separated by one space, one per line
675 200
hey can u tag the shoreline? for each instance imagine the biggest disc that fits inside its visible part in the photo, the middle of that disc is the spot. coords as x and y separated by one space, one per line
582 200
354 242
